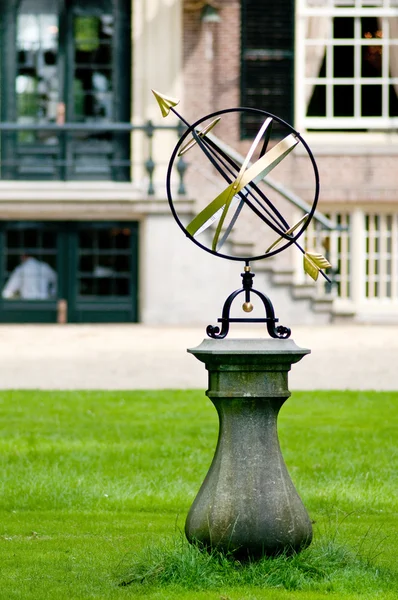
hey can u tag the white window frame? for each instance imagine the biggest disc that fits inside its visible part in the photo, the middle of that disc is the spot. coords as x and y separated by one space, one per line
384 9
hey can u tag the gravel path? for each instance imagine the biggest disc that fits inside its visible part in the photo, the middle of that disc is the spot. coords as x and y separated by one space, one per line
135 356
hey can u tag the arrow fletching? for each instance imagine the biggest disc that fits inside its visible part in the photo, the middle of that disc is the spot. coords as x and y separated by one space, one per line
313 263
201 134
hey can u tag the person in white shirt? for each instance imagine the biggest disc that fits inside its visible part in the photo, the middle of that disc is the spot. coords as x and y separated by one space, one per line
32 280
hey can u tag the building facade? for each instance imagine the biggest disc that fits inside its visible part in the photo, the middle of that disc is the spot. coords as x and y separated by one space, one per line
84 151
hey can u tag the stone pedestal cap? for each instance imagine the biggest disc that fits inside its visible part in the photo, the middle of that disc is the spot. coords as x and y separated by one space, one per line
251 351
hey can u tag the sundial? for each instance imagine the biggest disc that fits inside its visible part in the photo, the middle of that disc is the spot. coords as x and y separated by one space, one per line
240 191
247 504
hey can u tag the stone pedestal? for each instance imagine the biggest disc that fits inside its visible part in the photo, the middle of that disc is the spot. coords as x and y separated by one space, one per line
247 503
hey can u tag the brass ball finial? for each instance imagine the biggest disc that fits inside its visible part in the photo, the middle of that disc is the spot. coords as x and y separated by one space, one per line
247 306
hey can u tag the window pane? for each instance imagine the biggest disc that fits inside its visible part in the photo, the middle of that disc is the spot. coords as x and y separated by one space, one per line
371 100
343 101
86 263
104 262
343 27
393 100
343 61
371 61
317 105
92 83
121 237
37 84
371 54
104 238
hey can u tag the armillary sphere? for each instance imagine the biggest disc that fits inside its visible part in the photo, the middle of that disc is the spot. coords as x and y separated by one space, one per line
234 196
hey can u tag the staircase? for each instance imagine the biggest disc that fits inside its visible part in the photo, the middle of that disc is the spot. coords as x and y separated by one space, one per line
301 302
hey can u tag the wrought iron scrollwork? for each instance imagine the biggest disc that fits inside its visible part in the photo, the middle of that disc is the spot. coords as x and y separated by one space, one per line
280 331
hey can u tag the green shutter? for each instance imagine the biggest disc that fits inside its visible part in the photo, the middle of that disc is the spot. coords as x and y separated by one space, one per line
267 60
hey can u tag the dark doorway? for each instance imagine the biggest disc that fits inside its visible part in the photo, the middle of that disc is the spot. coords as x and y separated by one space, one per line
91 266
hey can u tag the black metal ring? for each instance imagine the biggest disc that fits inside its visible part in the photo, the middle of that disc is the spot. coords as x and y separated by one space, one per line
289 239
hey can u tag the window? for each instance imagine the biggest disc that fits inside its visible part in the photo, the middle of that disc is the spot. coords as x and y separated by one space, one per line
347 64
344 61
267 60
65 61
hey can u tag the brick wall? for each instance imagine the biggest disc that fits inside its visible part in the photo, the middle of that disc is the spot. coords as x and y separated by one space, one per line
211 74
211 63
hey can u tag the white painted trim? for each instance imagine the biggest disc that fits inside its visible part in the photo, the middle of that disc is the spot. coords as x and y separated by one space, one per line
327 11
380 123
372 142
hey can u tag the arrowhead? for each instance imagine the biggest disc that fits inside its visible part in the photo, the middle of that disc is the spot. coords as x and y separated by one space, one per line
165 102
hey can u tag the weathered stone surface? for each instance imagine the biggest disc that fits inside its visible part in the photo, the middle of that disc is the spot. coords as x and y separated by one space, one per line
247 503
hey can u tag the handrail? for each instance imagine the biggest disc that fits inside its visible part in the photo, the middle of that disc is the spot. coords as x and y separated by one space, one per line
287 194
103 126
62 162
148 129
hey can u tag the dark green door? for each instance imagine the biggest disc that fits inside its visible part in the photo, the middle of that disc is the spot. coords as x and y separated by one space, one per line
88 268
65 61
103 273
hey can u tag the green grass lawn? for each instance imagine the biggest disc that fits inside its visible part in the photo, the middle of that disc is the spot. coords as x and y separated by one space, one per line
95 488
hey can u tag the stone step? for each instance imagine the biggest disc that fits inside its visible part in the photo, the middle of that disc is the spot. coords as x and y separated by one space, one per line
282 277
303 290
322 305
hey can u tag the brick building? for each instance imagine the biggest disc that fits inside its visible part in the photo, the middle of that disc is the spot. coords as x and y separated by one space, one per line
82 169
